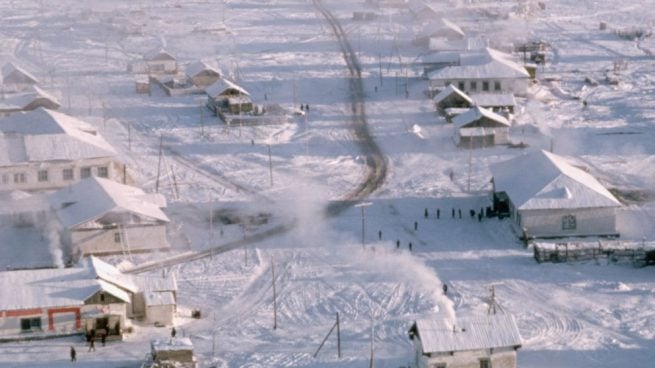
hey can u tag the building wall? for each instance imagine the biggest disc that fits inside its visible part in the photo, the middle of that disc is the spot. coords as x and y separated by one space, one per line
161 314
517 86
500 136
162 66
103 241
548 223
55 173
204 79
500 358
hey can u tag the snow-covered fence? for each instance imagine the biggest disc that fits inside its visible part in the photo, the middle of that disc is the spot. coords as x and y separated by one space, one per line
636 252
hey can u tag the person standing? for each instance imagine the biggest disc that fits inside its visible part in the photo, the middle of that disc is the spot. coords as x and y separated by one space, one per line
103 338
173 332
73 354
92 344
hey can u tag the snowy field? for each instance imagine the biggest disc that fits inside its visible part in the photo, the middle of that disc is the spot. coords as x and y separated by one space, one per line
569 315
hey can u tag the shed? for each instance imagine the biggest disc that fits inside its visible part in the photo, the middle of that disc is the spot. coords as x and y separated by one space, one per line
159 61
484 341
160 307
480 127
142 83
175 352
201 74
227 96
546 196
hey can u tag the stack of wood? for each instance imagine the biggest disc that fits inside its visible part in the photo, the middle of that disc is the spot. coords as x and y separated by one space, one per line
609 251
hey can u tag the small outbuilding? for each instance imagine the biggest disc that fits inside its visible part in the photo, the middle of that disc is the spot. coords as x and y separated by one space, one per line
546 197
175 352
479 127
228 97
485 342
202 75
159 61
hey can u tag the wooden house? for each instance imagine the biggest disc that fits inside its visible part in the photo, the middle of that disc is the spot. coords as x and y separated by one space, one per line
228 97
202 75
100 216
15 79
485 342
546 196
175 352
159 61
142 83
439 28
30 99
452 97
479 127
487 71
45 149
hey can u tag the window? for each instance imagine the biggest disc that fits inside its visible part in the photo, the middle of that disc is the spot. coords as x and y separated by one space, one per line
19 178
461 86
102 297
30 324
117 237
438 365
5 178
485 85
103 172
68 174
474 86
568 222
85 172
497 86
43 175
485 363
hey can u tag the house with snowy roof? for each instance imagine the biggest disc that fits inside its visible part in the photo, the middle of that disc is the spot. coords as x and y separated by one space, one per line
485 342
452 97
439 28
156 61
13 78
31 99
101 216
94 296
227 96
45 149
486 71
201 74
479 127
546 196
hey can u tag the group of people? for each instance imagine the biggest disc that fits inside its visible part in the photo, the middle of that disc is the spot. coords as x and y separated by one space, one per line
91 341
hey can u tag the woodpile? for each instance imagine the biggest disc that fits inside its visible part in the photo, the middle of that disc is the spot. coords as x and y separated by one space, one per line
609 251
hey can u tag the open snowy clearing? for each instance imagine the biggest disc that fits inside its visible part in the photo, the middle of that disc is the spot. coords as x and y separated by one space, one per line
569 315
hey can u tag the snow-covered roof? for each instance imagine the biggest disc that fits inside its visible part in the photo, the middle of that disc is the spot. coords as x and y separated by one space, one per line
55 287
46 135
470 333
177 343
158 54
450 90
440 57
543 180
94 197
476 113
12 73
222 86
467 44
20 101
154 298
156 283
487 64
441 26
198 67
494 99
104 271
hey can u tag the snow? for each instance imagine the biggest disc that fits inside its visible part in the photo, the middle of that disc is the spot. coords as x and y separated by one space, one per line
476 113
569 315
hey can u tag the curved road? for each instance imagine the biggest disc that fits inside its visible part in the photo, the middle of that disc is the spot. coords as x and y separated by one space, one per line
376 162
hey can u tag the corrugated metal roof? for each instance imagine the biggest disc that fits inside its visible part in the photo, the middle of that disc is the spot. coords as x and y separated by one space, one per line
543 180
154 298
476 113
198 67
450 90
222 85
470 333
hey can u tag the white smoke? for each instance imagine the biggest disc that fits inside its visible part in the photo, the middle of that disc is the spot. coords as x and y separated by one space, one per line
52 231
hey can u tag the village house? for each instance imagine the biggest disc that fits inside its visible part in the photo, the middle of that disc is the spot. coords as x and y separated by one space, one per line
452 98
100 216
484 71
94 296
202 75
479 127
484 342
545 196
30 99
45 149
159 61
176 352
226 96
439 28
15 79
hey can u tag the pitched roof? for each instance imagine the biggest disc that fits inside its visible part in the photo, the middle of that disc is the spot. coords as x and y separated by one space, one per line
198 67
102 270
494 99
222 85
19 101
153 298
440 26
11 73
95 197
471 333
474 114
451 90
543 180
158 54
46 135
485 64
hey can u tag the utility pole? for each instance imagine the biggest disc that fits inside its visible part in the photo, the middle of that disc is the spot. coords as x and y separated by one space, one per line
161 142
129 136
492 301
468 181
370 365
270 164
362 206
338 337
274 297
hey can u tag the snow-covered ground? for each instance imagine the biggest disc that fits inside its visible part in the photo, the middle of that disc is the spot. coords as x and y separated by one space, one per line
569 315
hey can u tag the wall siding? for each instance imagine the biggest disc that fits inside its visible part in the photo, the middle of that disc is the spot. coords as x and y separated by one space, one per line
138 238
500 358
589 221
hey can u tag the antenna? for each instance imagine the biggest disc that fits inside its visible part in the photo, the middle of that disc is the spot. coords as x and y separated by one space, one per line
492 301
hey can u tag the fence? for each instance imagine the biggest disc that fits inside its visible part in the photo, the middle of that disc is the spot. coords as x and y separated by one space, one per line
639 253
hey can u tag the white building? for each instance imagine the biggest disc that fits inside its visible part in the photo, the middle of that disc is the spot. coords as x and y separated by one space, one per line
159 61
546 196
480 127
487 71
439 28
15 79
484 342
100 216
31 99
44 149
201 74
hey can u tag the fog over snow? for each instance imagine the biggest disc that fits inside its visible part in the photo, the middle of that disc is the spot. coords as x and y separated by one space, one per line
285 53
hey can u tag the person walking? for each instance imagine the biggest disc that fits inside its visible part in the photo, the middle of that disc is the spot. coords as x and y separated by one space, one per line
459 210
73 354
438 213
445 289
453 213
92 345
397 244
425 213
379 234
173 332
103 338
410 246
415 225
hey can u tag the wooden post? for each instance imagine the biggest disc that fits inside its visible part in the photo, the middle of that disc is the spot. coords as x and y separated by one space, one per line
274 297
338 337
270 164
161 142
129 136
370 365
